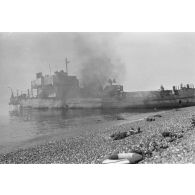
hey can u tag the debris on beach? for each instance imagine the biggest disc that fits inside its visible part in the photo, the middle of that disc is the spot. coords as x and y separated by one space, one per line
123 158
157 115
119 161
193 121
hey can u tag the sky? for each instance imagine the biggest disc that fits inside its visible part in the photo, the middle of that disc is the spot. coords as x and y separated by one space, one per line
144 60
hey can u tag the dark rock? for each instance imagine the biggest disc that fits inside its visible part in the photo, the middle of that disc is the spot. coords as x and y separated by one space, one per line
179 136
164 146
167 134
170 139
139 130
150 119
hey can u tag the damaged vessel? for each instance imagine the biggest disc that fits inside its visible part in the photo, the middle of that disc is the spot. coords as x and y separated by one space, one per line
62 90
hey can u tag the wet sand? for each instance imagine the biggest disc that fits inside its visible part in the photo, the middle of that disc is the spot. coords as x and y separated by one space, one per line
94 145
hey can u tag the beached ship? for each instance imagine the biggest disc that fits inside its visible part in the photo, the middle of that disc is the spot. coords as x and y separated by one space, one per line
177 97
62 90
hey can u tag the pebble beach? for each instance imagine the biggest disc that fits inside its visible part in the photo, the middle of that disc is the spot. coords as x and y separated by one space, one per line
166 137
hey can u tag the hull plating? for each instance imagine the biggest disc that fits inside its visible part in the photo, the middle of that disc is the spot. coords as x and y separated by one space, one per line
107 103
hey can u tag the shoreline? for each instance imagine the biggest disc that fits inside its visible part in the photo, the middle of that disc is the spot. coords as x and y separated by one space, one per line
98 123
93 146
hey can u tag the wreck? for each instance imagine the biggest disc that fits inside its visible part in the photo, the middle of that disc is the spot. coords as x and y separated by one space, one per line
62 90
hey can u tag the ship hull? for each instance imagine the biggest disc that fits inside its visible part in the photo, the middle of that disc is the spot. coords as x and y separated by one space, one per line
81 103
42 103
158 103
53 103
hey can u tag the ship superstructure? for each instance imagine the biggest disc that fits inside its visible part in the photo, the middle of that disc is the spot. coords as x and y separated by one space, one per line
59 90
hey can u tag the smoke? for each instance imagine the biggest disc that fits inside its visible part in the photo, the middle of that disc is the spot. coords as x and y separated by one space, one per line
98 59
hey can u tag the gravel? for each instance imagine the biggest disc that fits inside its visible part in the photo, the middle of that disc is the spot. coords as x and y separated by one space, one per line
170 138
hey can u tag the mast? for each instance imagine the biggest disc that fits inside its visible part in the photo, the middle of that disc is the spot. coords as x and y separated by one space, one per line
67 65
50 69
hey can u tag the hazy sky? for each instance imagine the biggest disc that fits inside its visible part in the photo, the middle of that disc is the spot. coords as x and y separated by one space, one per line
150 59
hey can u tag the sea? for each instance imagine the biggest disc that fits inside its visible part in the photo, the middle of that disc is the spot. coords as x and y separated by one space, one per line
20 128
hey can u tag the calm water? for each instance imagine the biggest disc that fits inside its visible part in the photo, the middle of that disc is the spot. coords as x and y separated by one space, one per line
23 126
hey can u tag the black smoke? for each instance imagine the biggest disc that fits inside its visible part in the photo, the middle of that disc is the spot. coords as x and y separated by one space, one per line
99 60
